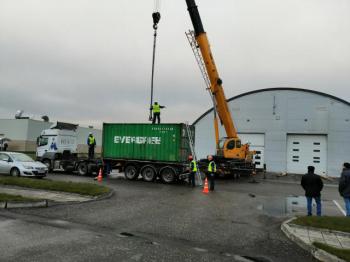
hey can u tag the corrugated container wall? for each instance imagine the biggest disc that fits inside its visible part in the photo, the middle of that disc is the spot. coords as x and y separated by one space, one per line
163 142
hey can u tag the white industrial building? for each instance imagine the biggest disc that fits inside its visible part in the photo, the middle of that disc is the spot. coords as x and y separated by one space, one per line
24 132
290 129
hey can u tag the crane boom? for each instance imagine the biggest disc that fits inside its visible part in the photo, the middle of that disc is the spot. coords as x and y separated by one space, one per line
215 81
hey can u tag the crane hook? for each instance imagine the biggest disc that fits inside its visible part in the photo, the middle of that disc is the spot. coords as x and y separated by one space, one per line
156 19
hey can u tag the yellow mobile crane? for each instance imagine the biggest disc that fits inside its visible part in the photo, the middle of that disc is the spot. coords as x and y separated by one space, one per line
231 156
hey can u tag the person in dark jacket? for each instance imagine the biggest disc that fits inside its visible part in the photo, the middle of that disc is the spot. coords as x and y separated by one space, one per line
344 187
312 185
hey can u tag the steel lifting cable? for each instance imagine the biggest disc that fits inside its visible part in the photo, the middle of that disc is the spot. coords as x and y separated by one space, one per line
156 19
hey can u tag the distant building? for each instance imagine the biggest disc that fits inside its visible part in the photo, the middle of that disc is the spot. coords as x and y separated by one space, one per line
24 132
290 129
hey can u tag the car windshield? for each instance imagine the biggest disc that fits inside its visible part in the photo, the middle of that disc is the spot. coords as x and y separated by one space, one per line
21 158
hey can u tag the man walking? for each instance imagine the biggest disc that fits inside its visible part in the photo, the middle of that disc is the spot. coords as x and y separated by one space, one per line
312 185
156 112
211 172
91 142
193 170
344 187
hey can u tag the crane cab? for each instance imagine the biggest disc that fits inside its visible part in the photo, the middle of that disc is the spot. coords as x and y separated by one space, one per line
232 148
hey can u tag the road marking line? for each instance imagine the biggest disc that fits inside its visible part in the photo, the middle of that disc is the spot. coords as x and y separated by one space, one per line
340 208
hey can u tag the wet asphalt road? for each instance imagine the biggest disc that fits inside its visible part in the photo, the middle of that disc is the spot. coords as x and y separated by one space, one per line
157 222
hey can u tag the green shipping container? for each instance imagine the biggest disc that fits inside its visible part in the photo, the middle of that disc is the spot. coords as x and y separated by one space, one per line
162 143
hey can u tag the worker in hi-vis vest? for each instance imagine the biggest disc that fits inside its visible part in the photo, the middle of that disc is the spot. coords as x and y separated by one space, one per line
156 112
193 170
91 142
211 173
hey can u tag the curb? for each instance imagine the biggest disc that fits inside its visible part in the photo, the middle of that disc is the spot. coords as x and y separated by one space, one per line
15 204
47 203
317 253
345 234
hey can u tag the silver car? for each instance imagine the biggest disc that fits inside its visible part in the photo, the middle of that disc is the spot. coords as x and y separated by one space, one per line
18 164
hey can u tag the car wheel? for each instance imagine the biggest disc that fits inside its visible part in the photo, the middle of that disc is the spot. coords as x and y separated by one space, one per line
15 172
168 174
47 162
83 169
148 173
131 172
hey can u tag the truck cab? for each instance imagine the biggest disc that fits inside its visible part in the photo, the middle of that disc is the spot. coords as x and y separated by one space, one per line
56 141
59 142
57 148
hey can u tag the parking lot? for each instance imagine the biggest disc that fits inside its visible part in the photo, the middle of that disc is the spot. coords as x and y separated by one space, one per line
157 222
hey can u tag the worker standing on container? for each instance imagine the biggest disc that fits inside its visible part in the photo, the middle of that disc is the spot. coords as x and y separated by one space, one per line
156 112
91 142
211 172
193 170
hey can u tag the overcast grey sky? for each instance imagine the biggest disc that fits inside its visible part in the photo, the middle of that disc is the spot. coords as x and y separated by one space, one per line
89 61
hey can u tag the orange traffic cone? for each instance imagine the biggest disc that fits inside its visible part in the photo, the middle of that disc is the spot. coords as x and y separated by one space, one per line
206 187
99 177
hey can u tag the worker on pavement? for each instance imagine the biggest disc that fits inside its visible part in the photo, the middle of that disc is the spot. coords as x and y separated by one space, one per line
344 187
193 170
211 172
312 185
156 112
91 142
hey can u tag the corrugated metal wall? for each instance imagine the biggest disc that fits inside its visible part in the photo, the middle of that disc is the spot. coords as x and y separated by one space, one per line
277 113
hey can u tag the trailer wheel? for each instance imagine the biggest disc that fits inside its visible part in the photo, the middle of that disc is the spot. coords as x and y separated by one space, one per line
168 174
47 162
83 169
131 172
148 173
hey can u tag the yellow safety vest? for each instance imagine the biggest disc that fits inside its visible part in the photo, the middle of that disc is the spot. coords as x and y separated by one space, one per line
156 108
194 169
212 167
91 140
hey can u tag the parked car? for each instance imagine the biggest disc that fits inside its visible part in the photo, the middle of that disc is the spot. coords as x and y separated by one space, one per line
19 164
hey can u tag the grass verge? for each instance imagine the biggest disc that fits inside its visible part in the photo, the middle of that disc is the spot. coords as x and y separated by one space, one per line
15 198
45 184
332 223
341 253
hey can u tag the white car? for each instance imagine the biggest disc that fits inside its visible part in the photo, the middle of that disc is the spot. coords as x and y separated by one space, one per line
18 164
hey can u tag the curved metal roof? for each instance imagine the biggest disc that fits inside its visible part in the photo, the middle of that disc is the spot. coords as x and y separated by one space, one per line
276 89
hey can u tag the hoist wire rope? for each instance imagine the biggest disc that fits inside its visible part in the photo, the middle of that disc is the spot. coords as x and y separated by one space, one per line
156 19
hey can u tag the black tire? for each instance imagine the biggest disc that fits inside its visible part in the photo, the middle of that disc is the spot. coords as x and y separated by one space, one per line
83 169
15 172
168 174
131 172
48 163
148 173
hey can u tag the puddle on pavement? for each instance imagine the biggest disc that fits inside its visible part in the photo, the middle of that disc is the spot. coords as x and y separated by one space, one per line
283 206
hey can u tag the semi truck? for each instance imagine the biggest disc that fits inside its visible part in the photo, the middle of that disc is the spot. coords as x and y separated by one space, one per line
57 149
152 151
